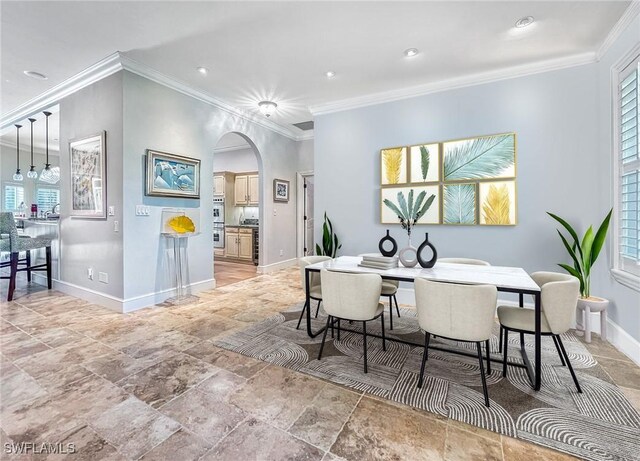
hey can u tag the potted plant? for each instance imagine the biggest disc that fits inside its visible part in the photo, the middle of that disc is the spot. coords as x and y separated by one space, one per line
330 242
584 253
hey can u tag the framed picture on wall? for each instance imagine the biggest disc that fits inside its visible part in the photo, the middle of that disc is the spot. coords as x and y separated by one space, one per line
280 190
88 177
170 175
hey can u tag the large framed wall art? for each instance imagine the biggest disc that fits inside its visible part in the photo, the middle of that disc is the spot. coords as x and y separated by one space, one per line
88 177
170 175
472 181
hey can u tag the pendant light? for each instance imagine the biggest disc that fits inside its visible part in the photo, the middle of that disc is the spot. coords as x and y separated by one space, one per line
46 174
32 173
18 176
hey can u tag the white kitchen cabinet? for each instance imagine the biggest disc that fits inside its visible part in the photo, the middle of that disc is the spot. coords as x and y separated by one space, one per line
247 190
239 243
245 246
218 185
254 190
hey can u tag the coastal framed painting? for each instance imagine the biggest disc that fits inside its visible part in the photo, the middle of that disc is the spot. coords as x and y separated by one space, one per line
88 177
170 175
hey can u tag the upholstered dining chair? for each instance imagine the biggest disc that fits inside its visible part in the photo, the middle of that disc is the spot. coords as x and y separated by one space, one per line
458 312
354 297
389 290
13 244
315 288
559 296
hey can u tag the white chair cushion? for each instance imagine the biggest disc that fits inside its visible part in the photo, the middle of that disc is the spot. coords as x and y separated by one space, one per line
316 292
389 288
520 318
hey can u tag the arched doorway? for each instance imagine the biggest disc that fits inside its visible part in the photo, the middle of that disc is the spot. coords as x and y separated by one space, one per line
237 208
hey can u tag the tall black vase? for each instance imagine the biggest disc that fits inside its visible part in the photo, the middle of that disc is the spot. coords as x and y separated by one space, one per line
387 238
434 258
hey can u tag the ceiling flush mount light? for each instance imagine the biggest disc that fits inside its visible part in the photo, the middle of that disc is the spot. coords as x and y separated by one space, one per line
32 173
267 107
411 52
330 74
36 75
18 176
524 22
202 70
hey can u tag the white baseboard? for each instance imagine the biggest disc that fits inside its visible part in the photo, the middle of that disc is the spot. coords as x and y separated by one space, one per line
616 336
277 266
119 304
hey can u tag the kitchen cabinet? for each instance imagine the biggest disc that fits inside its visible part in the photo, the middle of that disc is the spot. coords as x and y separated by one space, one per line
247 190
218 185
239 243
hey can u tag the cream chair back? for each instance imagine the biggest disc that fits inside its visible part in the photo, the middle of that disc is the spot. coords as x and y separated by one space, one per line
464 312
350 296
314 277
474 262
559 297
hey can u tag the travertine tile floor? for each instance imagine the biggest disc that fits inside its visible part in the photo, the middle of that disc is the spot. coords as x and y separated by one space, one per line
151 385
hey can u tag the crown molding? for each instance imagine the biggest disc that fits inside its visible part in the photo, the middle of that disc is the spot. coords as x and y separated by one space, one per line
232 148
117 62
625 20
454 83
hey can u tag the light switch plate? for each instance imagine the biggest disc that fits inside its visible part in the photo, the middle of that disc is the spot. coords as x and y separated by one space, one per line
103 277
142 210
112 210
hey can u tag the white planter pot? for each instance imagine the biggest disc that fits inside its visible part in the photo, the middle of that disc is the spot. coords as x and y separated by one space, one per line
583 315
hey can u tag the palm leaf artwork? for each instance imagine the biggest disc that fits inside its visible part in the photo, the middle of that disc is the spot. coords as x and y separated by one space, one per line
460 204
496 208
409 213
424 162
392 159
477 158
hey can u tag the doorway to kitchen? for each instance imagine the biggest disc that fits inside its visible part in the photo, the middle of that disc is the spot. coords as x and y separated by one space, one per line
305 211
236 209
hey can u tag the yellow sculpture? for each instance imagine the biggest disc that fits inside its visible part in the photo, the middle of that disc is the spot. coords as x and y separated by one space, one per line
182 224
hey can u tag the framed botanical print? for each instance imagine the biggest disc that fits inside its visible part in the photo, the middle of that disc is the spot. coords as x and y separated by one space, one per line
170 175
280 190
88 177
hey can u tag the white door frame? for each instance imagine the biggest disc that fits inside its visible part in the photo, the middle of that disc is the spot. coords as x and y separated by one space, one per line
300 175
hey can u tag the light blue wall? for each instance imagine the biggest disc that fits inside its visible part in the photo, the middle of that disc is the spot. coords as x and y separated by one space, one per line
625 307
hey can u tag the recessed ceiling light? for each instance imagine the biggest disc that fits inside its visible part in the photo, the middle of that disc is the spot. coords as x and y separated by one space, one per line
411 52
330 74
202 70
34 74
267 107
524 22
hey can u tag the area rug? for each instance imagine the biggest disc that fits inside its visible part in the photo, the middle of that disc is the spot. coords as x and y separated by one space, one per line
599 424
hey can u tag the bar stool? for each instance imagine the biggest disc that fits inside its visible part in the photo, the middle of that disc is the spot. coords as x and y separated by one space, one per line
14 245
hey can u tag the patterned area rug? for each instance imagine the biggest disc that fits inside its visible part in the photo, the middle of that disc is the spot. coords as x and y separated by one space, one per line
599 424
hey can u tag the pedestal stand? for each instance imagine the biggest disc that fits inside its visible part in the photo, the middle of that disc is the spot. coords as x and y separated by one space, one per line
181 295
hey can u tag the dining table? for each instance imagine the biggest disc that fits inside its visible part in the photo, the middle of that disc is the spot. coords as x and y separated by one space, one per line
505 279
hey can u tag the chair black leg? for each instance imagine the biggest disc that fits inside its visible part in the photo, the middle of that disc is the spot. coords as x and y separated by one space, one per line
504 351
48 258
384 342
484 378
488 347
324 337
28 260
332 328
566 358
364 342
390 315
500 341
12 275
425 356
555 341
302 314
338 330
397 308
318 308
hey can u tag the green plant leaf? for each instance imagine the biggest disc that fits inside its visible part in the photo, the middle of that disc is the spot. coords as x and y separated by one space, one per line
319 251
479 158
600 237
425 207
569 229
459 204
403 206
424 161
570 251
393 207
587 243
575 273
410 205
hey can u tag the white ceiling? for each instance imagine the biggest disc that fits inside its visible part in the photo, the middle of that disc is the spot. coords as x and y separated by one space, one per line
281 50
8 136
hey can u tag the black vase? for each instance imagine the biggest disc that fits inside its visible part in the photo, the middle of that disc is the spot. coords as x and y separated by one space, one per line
425 244
394 248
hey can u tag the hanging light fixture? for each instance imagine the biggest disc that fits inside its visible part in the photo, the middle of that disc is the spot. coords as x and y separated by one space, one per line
18 176
46 174
32 173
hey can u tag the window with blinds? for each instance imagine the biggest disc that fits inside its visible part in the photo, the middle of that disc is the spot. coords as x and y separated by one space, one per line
628 170
13 197
47 198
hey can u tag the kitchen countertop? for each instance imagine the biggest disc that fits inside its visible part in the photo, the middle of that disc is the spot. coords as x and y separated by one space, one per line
249 226
46 222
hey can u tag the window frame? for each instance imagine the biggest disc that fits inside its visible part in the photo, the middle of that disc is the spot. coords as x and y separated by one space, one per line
622 276
46 186
4 193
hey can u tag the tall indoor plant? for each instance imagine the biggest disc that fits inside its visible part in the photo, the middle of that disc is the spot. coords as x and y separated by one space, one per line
585 252
330 242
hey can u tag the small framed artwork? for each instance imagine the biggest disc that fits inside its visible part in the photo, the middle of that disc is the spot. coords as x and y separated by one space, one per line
459 202
498 203
280 190
425 163
170 175
395 200
393 165
485 157
88 177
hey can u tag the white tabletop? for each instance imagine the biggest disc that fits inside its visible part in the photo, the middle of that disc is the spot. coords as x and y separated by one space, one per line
502 277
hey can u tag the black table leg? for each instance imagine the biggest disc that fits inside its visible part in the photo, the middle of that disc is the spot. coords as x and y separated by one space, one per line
538 334
307 286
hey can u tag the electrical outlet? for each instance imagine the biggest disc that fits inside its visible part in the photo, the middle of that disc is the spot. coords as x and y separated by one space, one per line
274 212
116 226
103 277
90 273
